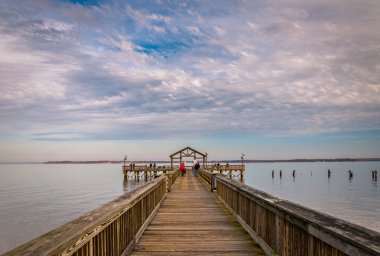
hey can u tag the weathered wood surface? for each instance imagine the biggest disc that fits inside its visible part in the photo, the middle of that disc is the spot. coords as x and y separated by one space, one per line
231 171
289 229
208 179
108 230
226 167
191 222
145 171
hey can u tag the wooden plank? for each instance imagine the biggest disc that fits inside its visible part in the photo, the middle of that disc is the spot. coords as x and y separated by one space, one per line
192 222
181 253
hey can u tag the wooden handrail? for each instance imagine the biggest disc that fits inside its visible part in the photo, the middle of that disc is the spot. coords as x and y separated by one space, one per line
208 179
281 227
230 167
172 176
140 168
112 229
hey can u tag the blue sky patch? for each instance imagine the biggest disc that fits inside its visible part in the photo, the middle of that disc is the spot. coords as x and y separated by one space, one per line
88 2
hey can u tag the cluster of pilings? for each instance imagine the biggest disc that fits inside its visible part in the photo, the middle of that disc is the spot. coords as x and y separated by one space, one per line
349 172
231 171
144 172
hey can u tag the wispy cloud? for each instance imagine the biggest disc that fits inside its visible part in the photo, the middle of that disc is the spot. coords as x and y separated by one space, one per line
115 70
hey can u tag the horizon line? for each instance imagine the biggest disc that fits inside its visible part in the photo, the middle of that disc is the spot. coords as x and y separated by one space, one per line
346 159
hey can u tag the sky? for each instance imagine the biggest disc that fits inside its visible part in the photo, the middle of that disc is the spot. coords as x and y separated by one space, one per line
97 80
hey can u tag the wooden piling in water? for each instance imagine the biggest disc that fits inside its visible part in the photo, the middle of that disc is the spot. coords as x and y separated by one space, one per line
145 171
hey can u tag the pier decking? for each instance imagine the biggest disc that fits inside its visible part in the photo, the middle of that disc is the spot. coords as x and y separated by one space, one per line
192 222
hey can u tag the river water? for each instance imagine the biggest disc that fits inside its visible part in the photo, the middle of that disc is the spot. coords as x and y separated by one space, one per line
35 198
356 200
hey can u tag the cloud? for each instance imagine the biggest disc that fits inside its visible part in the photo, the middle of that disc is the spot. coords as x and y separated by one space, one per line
149 21
133 71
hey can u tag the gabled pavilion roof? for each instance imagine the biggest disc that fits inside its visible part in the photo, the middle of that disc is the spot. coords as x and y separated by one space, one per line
188 152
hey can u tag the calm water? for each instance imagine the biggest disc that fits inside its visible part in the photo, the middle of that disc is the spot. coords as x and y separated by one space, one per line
356 200
35 198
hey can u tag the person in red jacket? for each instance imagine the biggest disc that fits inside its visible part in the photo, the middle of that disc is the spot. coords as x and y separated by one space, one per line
182 169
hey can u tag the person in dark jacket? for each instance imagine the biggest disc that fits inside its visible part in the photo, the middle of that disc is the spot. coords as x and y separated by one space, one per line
196 168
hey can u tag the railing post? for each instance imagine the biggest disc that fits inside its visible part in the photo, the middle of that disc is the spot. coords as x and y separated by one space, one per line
213 182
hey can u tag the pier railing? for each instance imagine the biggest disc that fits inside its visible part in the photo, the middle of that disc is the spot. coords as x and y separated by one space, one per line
143 168
208 179
172 176
227 167
231 171
112 229
281 227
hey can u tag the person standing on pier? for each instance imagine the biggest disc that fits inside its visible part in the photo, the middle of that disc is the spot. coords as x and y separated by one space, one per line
196 168
182 169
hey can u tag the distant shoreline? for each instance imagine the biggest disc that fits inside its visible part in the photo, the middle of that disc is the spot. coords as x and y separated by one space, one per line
211 161
229 161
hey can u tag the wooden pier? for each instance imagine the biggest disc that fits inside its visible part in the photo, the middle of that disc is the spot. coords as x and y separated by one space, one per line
231 171
191 221
172 215
144 172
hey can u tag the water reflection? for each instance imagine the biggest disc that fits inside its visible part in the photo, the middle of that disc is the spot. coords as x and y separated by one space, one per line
130 182
329 180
